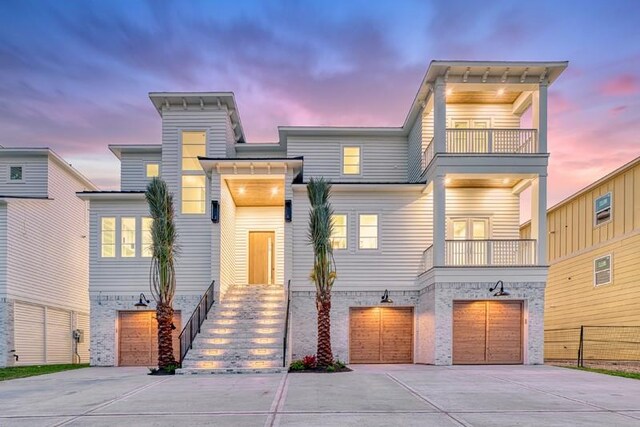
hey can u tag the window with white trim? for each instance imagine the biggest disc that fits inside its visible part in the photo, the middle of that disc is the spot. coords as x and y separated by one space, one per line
146 249
602 271
351 160
602 209
16 173
193 194
128 236
152 170
368 231
108 237
339 231
193 178
193 145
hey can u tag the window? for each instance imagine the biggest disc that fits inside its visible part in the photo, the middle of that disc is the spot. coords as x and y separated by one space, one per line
108 237
152 170
368 236
602 207
350 160
193 145
602 270
16 174
147 241
128 235
339 234
193 194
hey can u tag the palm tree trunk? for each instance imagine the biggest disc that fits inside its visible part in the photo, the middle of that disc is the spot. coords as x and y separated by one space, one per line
324 353
164 314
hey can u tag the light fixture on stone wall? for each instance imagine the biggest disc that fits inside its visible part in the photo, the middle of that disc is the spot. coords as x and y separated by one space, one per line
385 298
501 292
143 301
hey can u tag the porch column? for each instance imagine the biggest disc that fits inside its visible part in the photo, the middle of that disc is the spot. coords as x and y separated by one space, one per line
439 116
539 217
539 115
439 215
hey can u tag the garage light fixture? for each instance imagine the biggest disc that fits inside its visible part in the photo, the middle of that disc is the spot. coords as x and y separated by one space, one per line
385 298
143 301
501 292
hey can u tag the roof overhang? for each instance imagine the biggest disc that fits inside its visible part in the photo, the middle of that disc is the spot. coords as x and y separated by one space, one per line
377 187
250 165
119 149
111 195
201 100
313 131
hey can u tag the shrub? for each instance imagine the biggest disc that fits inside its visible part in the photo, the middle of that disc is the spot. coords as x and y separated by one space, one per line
296 365
340 364
309 361
331 368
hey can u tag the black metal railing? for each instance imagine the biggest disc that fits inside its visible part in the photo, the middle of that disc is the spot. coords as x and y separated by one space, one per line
192 327
286 326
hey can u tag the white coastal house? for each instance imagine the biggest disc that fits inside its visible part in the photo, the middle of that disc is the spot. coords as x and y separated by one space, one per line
428 211
44 261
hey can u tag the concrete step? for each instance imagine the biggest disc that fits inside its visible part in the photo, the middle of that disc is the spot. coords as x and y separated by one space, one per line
244 322
227 364
244 354
205 371
237 343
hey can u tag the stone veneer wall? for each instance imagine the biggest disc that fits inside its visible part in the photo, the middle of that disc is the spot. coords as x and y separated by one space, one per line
304 318
104 317
6 332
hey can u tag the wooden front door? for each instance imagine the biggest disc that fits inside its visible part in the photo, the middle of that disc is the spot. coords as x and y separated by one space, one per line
138 338
487 332
261 257
381 335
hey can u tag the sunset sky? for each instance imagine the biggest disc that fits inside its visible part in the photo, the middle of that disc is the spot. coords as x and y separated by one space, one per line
74 75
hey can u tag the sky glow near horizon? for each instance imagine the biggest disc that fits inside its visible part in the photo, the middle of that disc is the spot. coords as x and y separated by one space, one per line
75 75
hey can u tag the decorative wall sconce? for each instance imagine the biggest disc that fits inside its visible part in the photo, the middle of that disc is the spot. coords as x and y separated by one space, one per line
385 298
501 292
215 211
288 212
143 301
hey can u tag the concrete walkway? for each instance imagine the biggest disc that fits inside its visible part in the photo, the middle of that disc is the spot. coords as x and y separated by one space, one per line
407 395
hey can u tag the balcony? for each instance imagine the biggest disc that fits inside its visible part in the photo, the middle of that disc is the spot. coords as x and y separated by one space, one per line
485 141
482 253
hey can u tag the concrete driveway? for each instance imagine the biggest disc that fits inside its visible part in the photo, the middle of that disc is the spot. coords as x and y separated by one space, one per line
407 395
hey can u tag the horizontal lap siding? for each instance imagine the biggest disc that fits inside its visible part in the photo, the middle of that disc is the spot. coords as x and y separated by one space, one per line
500 205
228 258
404 222
133 170
415 147
383 159
499 115
34 172
48 260
3 249
258 219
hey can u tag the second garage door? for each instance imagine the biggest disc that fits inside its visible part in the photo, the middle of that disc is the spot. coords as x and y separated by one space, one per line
381 335
487 332
138 338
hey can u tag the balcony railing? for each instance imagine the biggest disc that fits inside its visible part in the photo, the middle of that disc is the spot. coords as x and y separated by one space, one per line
427 155
479 253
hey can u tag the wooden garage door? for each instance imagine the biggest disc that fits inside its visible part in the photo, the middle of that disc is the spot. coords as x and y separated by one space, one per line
138 338
487 332
381 335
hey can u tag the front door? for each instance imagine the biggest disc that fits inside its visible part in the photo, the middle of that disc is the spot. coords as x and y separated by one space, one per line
469 246
261 257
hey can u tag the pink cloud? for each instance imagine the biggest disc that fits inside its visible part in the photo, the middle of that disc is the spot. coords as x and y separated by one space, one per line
621 85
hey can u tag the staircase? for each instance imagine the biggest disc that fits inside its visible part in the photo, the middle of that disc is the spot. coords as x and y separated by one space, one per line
242 334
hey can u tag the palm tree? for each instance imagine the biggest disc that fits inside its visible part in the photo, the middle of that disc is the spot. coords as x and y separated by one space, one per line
162 278
323 273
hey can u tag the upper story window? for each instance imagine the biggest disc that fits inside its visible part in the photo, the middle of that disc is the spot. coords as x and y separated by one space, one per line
128 235
193 145
602 271
147 241
16 173
602 209
152 170
339 232
108 237
368 233
351 160
193 194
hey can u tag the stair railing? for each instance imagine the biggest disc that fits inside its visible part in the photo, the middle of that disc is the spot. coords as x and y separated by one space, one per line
286 326
192 327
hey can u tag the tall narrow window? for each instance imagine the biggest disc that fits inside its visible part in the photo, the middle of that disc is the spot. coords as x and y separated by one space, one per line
193 179
368 233
193 194
108 237
350 160
147 241
152 170
193 145
339 233
128 235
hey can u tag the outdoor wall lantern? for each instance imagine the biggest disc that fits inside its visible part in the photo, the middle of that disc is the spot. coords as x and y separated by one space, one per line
215 211
143 301
288 214
385 298
501 292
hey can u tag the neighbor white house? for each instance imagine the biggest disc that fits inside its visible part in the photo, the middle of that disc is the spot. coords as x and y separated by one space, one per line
429 211
44 261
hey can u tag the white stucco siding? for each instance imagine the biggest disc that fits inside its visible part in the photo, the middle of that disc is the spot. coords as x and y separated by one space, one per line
48 260
133 171
258 219
34 172
383 159
404 224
